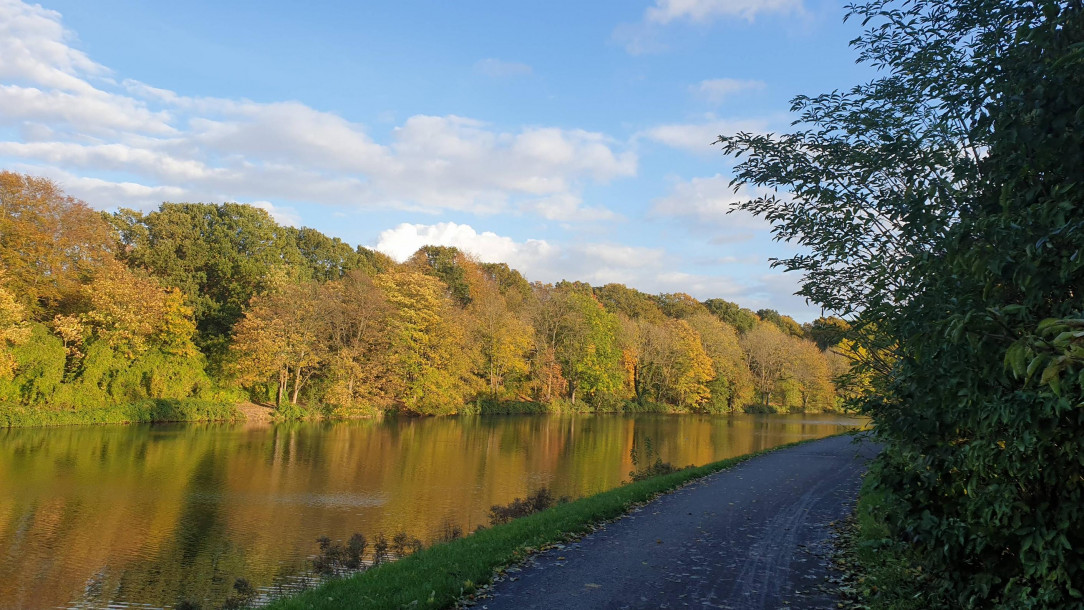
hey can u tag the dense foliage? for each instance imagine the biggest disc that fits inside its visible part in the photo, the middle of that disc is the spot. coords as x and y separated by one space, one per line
941 210
213 303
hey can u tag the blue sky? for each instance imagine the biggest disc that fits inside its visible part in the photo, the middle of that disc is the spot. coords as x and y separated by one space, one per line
569 139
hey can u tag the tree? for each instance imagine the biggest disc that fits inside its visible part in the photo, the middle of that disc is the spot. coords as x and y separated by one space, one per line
218 256
281 338
679 305
13 330
503 338
732 386
938 207
448 264
426 344
767 349
620 299
49 243
743 320
827 332
357 316
810 369
784 323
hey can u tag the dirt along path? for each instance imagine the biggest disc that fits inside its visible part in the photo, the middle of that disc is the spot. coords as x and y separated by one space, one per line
755 536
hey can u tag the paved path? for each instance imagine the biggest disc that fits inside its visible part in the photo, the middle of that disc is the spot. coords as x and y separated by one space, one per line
755 536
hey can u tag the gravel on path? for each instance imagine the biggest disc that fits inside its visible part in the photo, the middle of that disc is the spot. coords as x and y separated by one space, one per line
756 536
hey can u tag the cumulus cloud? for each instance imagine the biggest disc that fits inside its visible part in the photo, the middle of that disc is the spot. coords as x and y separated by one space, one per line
405 239
497 68
702 11
74 117
717 89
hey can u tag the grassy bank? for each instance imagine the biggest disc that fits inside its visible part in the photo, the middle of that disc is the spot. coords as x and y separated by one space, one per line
152 410
437 576
885 576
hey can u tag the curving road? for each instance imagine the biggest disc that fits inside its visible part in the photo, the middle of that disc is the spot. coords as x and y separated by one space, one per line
755 536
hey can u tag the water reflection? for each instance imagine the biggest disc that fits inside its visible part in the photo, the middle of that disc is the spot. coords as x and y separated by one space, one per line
159 514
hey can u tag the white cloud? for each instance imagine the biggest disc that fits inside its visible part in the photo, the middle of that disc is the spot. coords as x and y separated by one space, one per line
717 89
405 239
702 11
497 68
709 203
74 118
282 215
566 207
644 37
698 137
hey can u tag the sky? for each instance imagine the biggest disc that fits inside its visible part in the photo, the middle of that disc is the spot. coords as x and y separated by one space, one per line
571 140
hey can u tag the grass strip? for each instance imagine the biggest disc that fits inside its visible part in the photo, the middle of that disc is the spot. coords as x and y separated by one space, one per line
886 572
150 410
439 575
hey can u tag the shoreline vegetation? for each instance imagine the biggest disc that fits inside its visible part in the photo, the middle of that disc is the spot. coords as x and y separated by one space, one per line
448 572
185 312
164 410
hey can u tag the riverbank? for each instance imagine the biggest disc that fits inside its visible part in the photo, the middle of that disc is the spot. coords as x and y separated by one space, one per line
152 410
439 576
196 410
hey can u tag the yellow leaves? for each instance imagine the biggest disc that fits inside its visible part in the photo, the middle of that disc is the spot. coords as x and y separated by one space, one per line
131 313
13 330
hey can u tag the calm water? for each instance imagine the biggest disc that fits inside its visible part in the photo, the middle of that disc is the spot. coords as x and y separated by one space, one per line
154 514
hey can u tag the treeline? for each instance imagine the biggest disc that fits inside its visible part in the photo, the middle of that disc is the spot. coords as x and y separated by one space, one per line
219 303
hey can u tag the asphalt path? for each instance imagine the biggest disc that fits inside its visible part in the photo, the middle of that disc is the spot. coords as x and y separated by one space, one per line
755 536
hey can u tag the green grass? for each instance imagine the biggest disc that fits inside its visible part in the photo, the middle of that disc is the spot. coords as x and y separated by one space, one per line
152 410
436 577
888 578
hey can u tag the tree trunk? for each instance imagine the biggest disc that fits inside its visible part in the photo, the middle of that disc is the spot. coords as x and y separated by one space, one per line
281 389
297 386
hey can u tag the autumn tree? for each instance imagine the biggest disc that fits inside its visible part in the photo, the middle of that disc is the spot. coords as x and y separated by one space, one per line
50 243
679 305
672 366
14 329
732 385
282 338
809 368
620 299
767 349
219 255
357 316
504 340
427 340
784 323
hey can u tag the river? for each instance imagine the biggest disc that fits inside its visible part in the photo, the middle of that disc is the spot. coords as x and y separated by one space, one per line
152 515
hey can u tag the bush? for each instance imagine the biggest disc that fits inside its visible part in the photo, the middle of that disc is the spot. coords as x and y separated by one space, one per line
521 507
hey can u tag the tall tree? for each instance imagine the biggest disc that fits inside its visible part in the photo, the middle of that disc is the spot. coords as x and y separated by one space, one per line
282 339
939 210
767 348
357 316
732 386
219 256
427 344
50 243
504 339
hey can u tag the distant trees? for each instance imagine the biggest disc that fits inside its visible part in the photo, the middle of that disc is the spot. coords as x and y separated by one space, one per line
199 299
